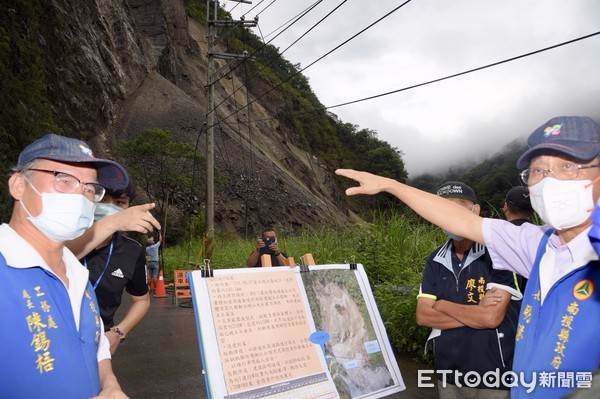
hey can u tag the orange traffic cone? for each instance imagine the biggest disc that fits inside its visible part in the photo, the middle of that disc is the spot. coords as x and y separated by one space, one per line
159 291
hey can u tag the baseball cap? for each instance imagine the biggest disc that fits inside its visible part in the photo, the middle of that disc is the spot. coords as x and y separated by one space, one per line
66 149
576 136
519 196
456 189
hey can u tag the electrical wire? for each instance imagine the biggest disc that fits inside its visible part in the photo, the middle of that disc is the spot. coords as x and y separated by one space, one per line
304 13
234 7
255 75
467 71
311 28
446 77
261 11
256 5
318 59
291 19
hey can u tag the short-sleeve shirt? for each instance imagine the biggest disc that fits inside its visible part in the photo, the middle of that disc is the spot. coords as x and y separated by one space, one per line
152 251
126 270
466 349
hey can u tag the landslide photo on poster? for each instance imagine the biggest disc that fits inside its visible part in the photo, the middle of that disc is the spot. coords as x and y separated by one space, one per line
353 353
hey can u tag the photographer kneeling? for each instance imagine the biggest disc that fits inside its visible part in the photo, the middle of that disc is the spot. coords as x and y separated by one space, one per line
266 245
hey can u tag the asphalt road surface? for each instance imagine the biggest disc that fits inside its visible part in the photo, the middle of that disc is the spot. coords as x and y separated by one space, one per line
161 357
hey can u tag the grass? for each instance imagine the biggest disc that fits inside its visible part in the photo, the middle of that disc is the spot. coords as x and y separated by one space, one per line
392 248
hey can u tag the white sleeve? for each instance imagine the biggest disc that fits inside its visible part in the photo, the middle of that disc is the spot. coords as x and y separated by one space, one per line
515 295
103 346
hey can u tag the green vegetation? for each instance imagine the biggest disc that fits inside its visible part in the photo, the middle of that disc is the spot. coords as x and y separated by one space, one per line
166 170
393 249
25 112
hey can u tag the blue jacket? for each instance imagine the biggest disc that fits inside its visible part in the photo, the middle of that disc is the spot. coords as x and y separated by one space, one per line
42 354
559 340
467 349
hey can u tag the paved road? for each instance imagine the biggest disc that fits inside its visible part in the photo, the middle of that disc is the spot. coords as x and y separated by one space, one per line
161 357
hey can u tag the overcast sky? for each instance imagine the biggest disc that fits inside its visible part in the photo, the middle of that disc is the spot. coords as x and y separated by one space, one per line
465 118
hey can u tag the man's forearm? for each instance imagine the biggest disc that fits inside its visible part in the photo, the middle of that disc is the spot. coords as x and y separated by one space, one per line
439 211
427 316
109 385
137 311
94 236
474 316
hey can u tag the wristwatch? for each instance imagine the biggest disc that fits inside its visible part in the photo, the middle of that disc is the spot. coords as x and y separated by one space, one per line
277 254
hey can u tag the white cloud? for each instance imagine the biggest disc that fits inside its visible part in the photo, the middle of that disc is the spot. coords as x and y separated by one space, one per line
458 119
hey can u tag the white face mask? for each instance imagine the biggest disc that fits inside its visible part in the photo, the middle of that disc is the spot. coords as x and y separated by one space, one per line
64 217
104 209
562 203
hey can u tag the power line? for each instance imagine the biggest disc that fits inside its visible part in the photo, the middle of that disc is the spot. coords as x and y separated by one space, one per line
286 49
291 19
304 13
320 58
467 71
264 9
234 7
446 77
312 27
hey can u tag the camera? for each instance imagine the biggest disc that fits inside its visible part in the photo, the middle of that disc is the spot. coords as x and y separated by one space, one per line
268 241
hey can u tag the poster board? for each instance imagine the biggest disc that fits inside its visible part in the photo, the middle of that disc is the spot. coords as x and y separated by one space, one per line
299 333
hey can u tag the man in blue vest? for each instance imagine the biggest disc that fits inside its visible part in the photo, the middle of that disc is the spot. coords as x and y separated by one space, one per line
557 342
52 340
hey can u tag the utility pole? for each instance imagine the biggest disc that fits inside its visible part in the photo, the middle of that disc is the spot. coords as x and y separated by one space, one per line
213 76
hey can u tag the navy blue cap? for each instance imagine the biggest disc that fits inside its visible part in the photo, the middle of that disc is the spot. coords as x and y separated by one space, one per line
66 149
456 189
575 136
519 196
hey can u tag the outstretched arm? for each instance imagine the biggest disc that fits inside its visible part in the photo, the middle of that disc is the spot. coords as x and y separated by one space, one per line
437 210
136 218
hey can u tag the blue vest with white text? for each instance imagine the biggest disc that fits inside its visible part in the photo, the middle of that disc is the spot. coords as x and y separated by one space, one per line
42 354
559 341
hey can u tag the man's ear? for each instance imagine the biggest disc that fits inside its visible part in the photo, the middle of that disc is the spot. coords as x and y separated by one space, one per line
477 209
16 185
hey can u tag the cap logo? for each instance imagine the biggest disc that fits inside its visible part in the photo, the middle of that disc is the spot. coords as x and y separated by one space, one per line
450 189
86 151
552 130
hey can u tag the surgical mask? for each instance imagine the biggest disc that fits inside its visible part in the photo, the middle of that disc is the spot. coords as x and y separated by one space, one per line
64 217
562 203
104 209
453 236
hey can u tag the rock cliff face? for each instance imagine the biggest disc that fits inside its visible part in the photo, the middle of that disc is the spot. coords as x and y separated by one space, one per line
117 67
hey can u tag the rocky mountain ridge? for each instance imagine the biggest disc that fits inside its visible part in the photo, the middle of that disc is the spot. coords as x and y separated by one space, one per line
119 67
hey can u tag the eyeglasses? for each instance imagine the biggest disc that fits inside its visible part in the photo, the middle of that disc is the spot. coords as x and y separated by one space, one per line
66 183
565 171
